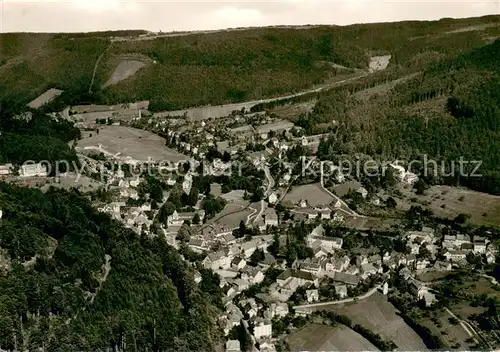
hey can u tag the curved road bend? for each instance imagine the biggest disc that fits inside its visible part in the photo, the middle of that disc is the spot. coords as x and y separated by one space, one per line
219 111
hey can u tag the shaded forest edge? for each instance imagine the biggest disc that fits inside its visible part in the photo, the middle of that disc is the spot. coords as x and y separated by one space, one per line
149 300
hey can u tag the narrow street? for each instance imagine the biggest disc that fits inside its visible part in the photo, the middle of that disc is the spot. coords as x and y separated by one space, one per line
305 308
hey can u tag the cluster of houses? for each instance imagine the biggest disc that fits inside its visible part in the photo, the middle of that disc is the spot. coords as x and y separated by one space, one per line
457 247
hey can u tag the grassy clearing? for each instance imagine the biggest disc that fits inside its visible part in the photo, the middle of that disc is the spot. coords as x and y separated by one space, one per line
126 141
315 337
380 316
448 202
313 194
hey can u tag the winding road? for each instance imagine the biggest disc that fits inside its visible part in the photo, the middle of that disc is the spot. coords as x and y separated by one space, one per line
215 112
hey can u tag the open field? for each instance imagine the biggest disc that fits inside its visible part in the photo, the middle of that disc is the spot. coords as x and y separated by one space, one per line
315 337
448 202
431 276
131 143
452 335
71 180
45 98
479 286
232 215
313 193
342 189
293 111
380 316
124 70
379 63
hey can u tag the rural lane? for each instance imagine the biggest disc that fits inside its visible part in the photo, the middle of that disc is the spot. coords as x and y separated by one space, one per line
466 329
211 111
342 301
344 204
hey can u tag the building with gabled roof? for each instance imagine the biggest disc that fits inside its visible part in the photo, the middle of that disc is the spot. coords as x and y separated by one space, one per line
343 278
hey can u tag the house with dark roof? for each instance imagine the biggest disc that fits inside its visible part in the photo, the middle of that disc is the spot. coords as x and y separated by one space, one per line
343 278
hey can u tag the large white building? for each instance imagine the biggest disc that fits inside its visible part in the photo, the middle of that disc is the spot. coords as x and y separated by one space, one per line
5 169
33 170
262 328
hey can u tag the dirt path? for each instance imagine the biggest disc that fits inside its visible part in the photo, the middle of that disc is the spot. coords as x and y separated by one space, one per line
106 268
466 329
96 66
344 204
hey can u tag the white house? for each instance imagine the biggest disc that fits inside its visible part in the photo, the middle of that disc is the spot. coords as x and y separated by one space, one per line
422 264
404 176
490 257
368 270
5 170
248 248
456 256
238 263
217 260
271 218
341 290
33 170
273 198
410 178
328 243
479 245
452 241
253 275
135 183
337 264
233 346
279 309
312 295
362 191
262 328
188 182
171 181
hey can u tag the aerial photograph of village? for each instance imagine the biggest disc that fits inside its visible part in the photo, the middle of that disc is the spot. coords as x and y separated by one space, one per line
260 176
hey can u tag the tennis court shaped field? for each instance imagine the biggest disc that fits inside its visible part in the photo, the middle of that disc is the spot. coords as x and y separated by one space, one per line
379 315
121 141
313 194
316 337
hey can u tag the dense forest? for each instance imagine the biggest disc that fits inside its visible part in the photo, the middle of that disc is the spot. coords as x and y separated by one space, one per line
449 111
72 279
26 136
91 284
223 67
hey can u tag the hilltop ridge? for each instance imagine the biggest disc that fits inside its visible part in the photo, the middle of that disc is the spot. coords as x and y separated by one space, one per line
225 66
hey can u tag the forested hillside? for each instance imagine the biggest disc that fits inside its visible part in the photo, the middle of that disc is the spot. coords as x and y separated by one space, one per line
147 301
39 138
450 110
227 66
